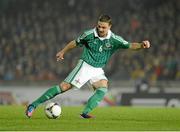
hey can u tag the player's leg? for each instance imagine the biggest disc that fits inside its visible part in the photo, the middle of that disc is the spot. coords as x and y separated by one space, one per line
73 79
49 94
52 92
101 89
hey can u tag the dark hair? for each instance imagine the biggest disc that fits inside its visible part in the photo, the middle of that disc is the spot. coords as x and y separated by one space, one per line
105 18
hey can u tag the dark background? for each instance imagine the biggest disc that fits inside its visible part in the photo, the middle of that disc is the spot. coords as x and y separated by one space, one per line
33 31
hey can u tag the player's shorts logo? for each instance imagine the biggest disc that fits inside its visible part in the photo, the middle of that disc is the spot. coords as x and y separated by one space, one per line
78 81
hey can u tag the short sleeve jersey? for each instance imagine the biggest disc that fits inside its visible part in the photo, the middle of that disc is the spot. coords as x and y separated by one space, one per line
96 51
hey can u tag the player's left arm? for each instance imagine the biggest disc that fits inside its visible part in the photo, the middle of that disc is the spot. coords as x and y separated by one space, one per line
143 45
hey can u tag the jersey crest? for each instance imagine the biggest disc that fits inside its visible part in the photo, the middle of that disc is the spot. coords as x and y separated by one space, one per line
106 46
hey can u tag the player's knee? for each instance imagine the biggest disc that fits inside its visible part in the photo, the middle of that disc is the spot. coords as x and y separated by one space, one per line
104 83
65 86
101 83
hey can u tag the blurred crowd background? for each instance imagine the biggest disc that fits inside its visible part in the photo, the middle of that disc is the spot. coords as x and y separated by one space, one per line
33 31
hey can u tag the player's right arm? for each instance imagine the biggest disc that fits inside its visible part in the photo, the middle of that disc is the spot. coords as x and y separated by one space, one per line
79 42
71 45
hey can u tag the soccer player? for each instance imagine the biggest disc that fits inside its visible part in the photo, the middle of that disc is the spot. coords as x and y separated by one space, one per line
98 45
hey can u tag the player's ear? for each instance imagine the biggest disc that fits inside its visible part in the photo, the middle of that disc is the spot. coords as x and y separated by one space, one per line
110 25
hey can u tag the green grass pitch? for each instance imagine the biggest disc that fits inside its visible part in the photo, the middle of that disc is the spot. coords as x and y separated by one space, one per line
107 119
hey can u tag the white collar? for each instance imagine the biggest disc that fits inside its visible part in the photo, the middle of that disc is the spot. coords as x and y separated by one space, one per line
102 38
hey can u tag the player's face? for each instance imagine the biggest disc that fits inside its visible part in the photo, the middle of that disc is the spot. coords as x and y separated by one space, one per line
103 28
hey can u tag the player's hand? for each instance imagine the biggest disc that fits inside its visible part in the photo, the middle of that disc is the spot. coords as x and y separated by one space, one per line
60 56
146 44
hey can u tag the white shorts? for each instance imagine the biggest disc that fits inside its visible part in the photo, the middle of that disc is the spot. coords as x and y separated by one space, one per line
84 72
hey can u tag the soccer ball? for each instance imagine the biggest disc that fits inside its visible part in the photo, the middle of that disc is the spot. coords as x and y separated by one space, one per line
52 110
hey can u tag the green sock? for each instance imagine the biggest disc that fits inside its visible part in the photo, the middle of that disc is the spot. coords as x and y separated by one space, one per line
95 99
49 94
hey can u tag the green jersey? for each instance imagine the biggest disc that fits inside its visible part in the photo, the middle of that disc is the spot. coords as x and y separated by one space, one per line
97 51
